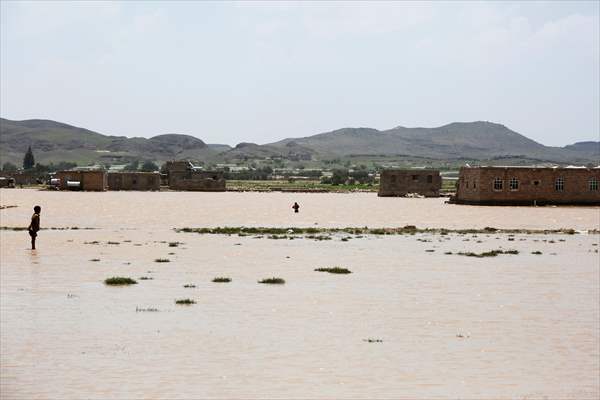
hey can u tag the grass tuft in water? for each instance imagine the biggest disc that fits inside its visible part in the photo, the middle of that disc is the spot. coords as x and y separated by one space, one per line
189 286
146 278
173 244
537 252
272 281
162 260
186 302
334 270
149 309
95 259
119 280
221 279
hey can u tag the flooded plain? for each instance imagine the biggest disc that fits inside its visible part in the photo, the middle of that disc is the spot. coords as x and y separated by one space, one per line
410 321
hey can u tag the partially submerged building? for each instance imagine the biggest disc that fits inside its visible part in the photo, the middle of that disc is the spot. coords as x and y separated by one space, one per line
528 186
183 175
28 177
400 182
82 180
143 181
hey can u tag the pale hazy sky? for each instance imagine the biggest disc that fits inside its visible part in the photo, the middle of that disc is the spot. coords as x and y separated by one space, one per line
228 72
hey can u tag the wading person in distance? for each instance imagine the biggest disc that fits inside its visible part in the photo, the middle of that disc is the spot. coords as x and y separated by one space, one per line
296 207
34 226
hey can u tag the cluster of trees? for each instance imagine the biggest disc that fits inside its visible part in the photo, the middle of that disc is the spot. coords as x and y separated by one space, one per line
257 174
341 176
147 166
10 167
29 164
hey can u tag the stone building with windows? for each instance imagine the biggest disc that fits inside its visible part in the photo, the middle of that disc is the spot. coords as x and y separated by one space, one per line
183 175
400 182
134 181
93 180
528 186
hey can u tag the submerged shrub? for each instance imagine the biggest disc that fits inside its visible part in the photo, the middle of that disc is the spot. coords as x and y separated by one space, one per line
334 270
221 279
537 252
119 280
189 285
272 281
370 340
162 260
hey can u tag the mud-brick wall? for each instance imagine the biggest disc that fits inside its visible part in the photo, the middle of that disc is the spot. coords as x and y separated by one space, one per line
401 182
533 186
143 181
201 181
90 180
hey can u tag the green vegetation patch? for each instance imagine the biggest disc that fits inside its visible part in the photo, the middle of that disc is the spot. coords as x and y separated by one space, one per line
273 281
284 233
491 253
334 270
119 281
221 279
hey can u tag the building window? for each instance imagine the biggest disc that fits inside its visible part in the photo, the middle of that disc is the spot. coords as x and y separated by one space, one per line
514 184
559 184
536 183
429 178
474 184
467 184
415 178
593 183
393 178
498 183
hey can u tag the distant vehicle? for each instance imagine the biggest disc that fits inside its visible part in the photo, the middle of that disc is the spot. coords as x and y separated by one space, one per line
7 182
55 183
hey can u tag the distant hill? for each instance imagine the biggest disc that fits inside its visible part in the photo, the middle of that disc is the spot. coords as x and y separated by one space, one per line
591 148
55 141
475 140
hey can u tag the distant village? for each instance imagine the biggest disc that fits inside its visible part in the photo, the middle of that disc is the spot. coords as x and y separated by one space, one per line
475 185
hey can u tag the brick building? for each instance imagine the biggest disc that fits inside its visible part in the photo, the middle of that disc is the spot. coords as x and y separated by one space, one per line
133 181
28 177
400 182
83 180
527 186
183 175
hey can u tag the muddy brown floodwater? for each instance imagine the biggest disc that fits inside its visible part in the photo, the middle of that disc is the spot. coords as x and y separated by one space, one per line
410 321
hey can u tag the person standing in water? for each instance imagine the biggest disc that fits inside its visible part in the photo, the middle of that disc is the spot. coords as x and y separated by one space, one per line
296 207
34 226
